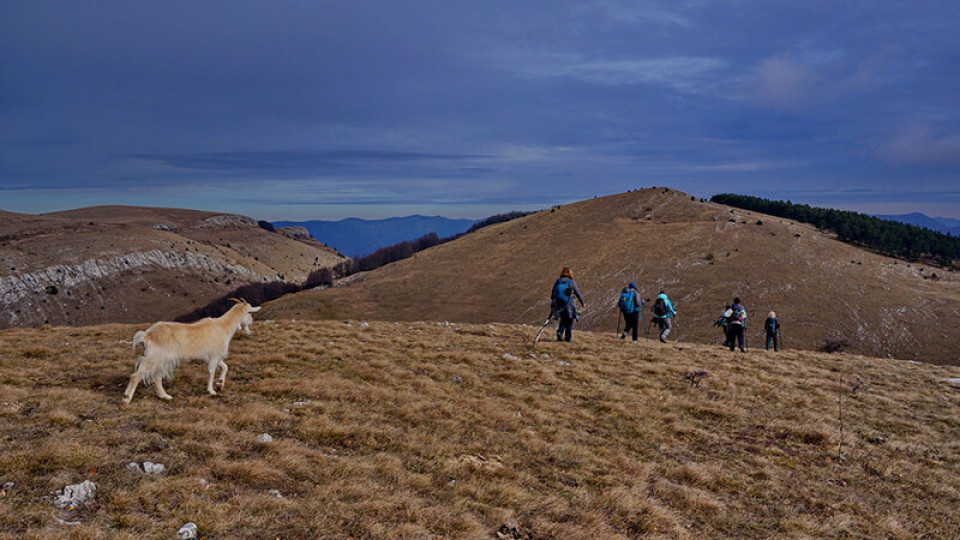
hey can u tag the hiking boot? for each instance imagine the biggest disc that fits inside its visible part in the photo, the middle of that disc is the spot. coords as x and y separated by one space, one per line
623 335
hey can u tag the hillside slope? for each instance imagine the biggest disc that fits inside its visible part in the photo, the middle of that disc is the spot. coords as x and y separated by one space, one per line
130 264
430 430
702 253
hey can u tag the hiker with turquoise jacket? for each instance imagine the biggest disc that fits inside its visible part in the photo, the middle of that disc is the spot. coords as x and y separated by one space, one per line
563 303
662 312
630 306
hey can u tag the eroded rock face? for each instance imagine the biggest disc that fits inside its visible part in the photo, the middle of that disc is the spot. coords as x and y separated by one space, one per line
15 287
26 298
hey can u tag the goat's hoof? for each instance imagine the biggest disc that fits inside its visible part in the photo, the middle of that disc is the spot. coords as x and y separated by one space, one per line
166 397
212 392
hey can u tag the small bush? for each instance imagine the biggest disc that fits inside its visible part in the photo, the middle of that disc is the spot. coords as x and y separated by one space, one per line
833 345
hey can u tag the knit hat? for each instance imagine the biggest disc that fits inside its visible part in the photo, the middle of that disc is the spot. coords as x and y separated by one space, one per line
632 285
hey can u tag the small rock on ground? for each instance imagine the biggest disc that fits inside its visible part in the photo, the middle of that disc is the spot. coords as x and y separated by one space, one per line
188 531
265 438
75 495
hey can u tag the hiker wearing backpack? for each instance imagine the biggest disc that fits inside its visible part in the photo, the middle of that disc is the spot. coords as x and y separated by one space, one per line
563 303
662 312
772 327
722 323
737 322
630 306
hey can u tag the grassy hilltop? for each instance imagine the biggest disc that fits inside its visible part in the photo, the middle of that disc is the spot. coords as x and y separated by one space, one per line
432 430
702 253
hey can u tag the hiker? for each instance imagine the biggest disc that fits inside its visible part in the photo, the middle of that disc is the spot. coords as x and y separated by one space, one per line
630 306
662 313
737 322
722 323
772 327
563 304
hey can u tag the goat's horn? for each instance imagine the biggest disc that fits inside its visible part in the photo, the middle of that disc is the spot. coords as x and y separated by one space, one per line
236 300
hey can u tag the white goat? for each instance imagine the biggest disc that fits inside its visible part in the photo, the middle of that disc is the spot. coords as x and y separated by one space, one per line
166 344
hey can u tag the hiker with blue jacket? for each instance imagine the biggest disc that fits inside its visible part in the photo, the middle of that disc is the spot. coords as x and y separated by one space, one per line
563 304
630 306
772 327
737 322
662 312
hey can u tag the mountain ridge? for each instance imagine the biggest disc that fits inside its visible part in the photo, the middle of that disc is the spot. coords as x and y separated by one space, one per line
356 236
134 264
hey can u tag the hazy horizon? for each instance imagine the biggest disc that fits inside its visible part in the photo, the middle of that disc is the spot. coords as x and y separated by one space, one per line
300 110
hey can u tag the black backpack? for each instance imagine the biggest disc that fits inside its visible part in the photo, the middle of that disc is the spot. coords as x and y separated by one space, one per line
660 307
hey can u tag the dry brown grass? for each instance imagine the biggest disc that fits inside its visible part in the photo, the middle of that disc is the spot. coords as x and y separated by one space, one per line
425 430
703 254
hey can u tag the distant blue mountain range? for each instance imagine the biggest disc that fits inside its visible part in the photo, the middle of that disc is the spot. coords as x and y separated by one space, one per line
944 225
354 236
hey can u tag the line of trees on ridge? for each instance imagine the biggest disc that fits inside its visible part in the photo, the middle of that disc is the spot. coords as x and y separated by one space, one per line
887 237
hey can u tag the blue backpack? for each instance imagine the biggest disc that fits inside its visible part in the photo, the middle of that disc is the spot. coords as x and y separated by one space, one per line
626 303
561 293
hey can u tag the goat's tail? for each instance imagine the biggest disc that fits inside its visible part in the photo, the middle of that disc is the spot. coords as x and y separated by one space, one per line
139 339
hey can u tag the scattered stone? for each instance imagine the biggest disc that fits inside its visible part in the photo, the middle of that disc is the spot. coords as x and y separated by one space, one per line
301 403
69 523
545 356
150 467
265 438
508 356
135 467
188 531
953 381
276 493
364 325
456 379
564 363
505 532
695 377
7 488
203 482
876 439
75 495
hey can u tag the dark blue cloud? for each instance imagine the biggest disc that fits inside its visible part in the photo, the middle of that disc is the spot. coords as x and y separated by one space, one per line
490 102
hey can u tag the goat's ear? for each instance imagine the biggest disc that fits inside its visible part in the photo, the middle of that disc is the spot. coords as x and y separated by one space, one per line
255 309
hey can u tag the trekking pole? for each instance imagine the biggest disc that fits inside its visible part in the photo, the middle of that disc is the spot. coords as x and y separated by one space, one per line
676 327
545 323
644 316
619 316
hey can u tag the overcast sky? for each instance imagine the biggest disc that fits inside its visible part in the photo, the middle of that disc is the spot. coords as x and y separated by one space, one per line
330 109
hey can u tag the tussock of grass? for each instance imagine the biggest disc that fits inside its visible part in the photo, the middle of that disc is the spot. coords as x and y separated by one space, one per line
426 430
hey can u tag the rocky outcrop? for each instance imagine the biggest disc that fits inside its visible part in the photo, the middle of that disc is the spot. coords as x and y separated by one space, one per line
294 232
226 221
65 277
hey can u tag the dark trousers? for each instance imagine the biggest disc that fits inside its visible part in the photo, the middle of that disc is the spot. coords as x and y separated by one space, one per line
565 330
776 341
631 321
727 336
736 331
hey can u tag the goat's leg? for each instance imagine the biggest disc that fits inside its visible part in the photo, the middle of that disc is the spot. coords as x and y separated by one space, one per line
132 386
223 374
212 369
158 384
